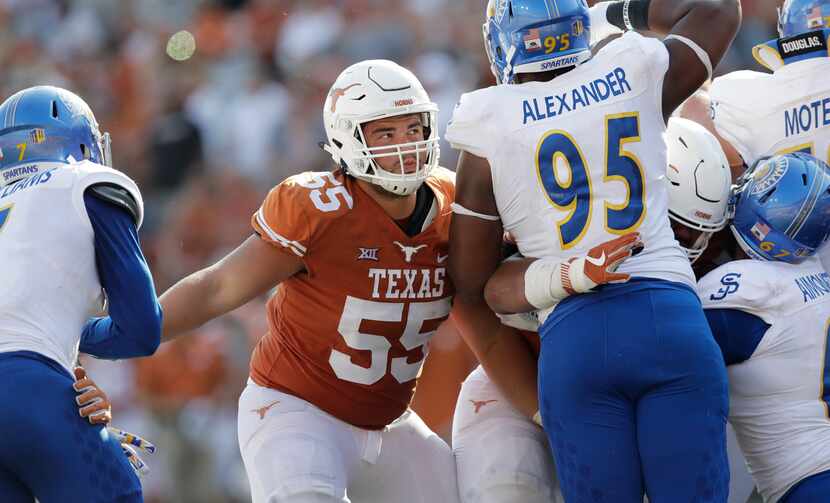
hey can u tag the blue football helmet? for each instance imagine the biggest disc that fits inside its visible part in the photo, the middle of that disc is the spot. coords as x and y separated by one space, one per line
529 36
799 16
782 208
44 125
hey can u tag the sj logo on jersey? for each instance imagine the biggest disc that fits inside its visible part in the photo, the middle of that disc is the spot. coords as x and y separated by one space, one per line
730 285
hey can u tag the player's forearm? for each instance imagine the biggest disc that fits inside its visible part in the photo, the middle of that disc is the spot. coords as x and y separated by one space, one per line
192 302
506 357
505 290
133 326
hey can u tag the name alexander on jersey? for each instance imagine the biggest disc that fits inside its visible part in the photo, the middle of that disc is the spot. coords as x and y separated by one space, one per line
408 283
596 91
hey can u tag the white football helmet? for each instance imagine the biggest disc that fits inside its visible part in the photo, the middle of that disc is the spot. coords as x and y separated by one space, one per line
699 181
372 90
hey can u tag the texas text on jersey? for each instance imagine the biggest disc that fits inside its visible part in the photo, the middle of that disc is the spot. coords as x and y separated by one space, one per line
351 332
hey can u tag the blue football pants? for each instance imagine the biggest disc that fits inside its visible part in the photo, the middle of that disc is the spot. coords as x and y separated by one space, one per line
49 452
813 489
634 397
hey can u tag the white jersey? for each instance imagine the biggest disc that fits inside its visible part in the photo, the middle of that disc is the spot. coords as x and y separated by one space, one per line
581 159
763 114
778 400
50 282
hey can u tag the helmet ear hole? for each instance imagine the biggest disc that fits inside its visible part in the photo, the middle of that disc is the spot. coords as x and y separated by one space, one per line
54 109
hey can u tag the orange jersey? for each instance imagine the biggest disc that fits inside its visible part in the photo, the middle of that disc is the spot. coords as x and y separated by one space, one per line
350 334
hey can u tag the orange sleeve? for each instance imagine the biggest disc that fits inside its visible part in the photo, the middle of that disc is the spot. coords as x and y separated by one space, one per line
283 219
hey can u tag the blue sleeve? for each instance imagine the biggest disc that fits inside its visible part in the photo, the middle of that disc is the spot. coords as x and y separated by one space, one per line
133 327
737 333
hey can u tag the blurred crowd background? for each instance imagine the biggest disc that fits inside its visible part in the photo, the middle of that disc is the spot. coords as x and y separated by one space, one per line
207 137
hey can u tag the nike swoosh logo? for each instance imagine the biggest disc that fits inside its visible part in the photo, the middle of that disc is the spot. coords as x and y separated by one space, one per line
441 258
599 262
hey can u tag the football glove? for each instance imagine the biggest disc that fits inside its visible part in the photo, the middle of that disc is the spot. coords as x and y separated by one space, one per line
547 281
130 444
93 403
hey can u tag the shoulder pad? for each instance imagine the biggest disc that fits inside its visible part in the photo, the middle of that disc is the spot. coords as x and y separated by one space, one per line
468 128
444 180
299 208
88 174
735 99
745 285
118 196
654 51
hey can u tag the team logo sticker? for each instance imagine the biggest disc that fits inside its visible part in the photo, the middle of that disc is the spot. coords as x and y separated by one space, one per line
768 175
38 135
533 40
760 230
577 28
730 286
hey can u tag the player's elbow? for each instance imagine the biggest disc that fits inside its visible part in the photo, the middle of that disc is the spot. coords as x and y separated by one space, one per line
497 297
148 335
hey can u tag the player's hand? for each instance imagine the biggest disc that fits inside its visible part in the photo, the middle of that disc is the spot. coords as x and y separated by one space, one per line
95 406
131 444
599 266
93 403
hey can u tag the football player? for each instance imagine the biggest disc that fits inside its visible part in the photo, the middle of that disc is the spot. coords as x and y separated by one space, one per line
500 454
770 315
699 181
68 237
358 258
632 388
761 114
